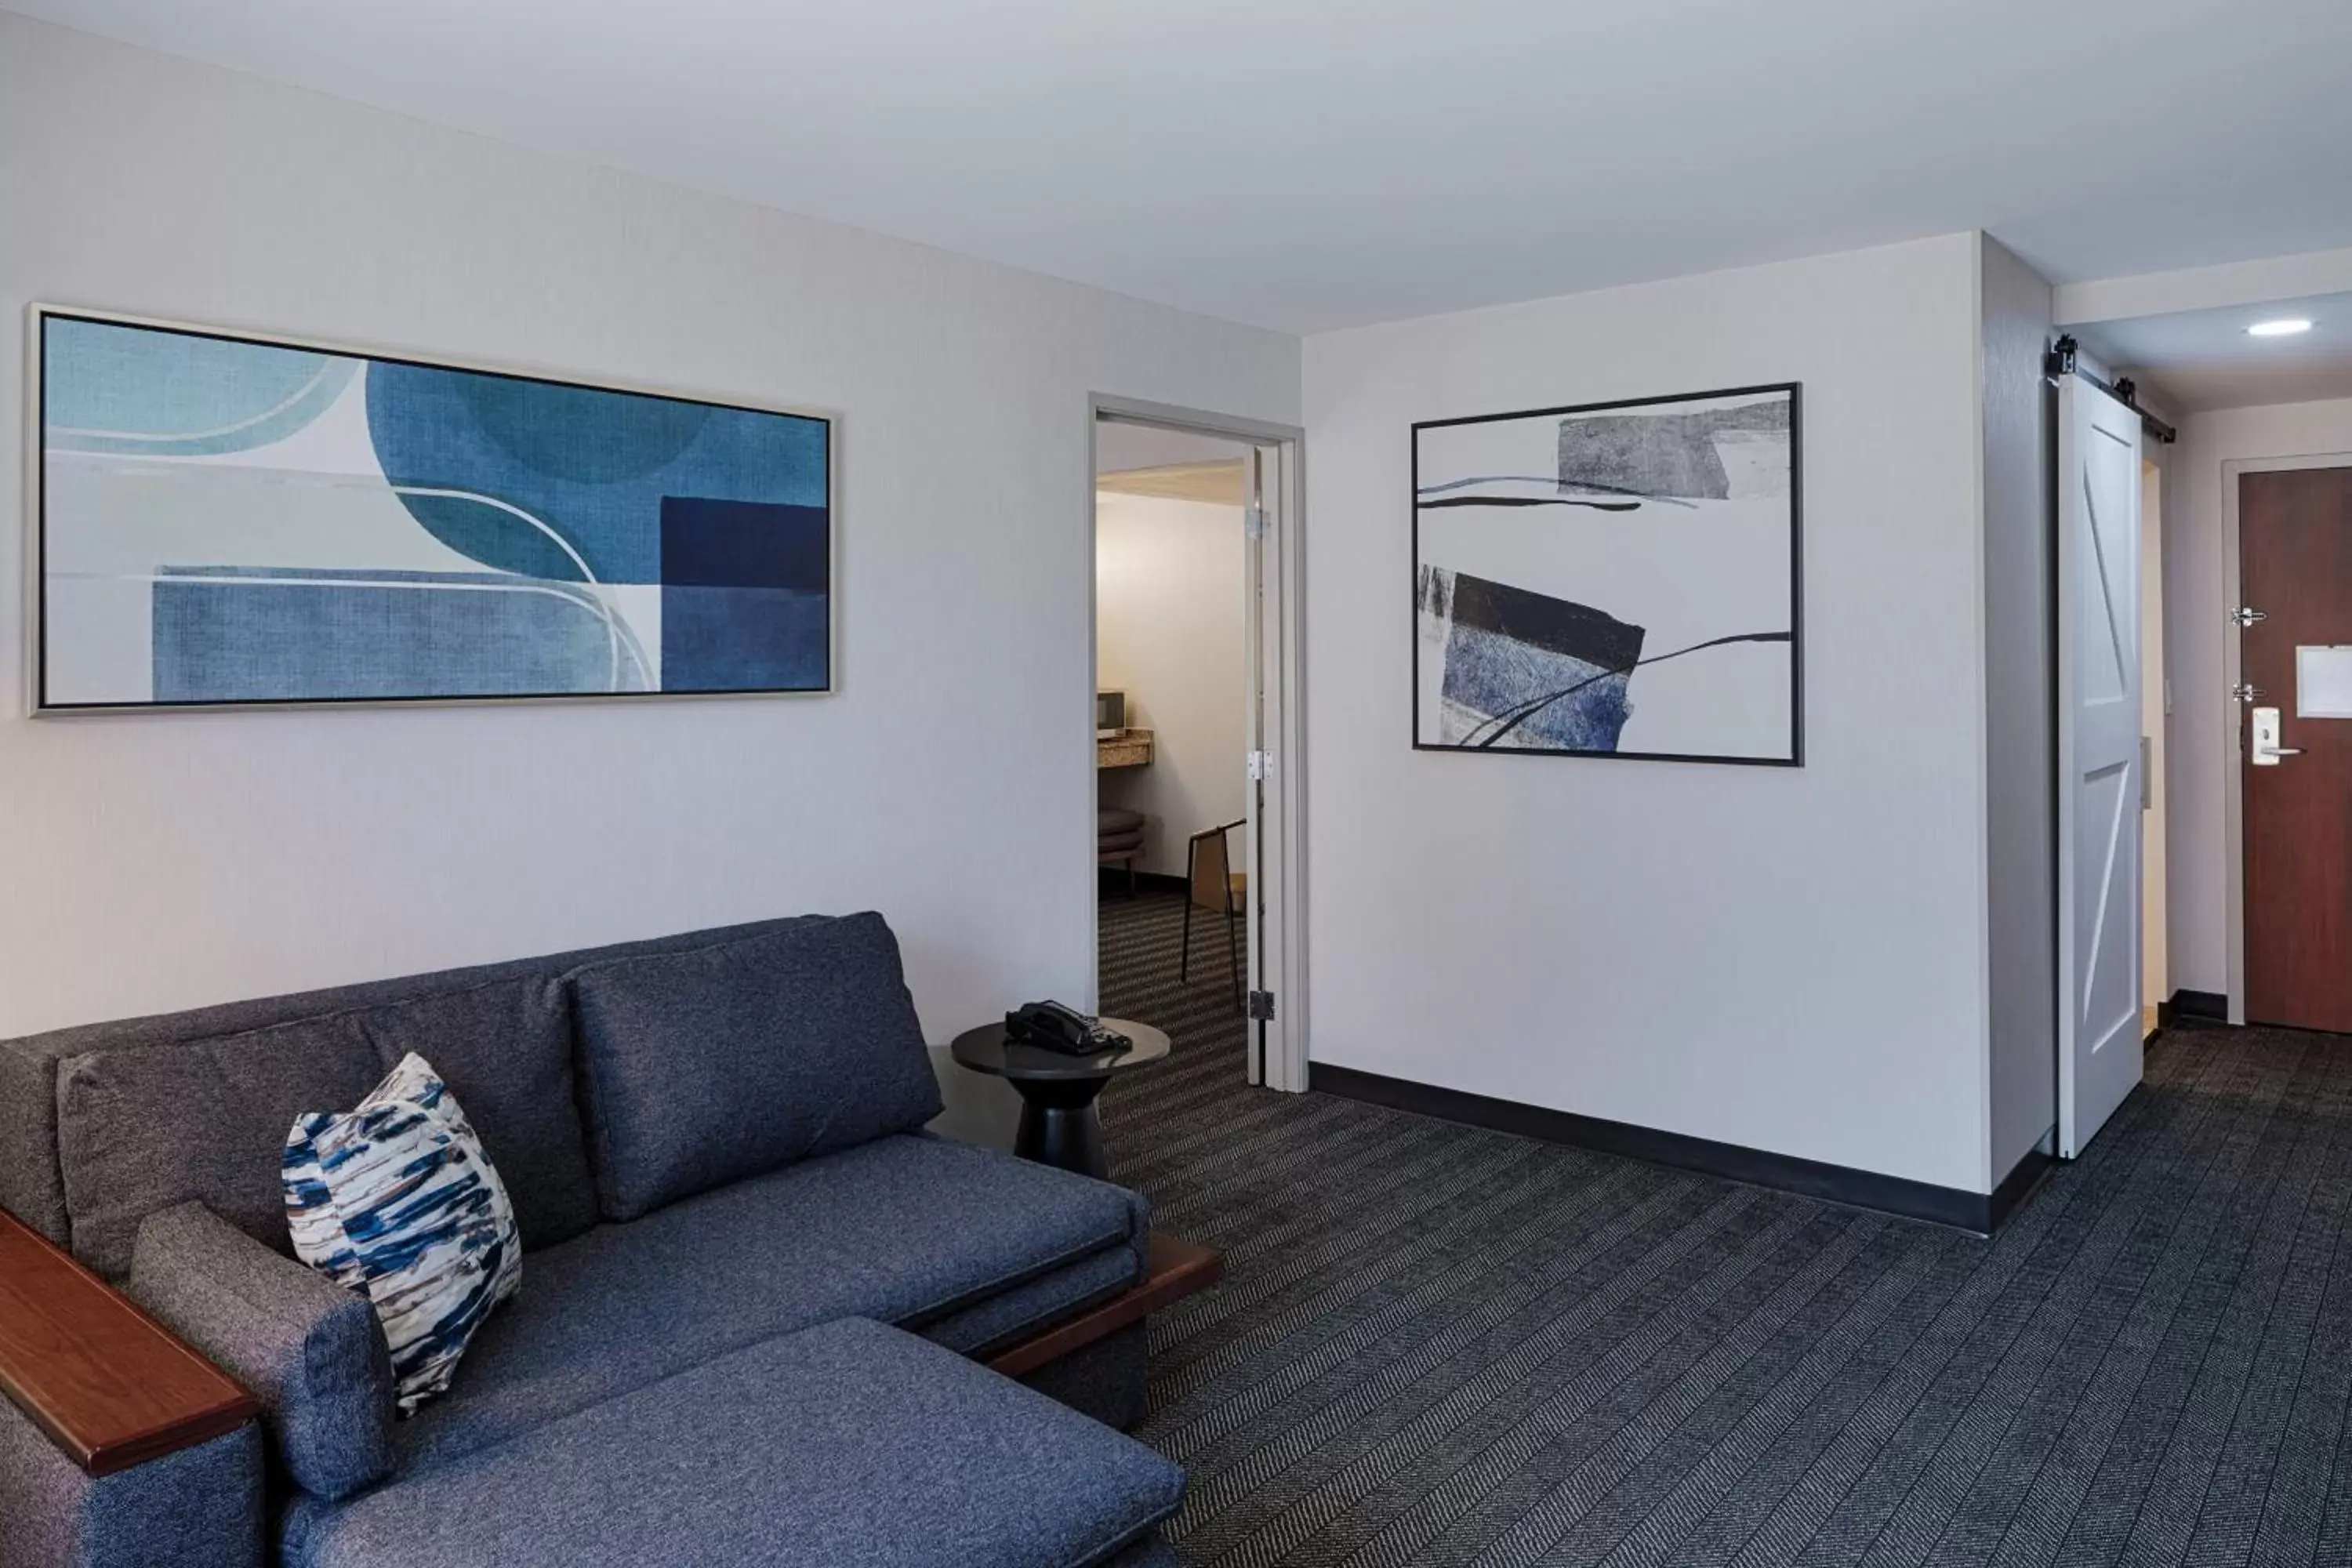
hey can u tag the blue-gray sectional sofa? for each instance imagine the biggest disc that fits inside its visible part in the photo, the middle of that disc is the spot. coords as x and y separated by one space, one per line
753 1286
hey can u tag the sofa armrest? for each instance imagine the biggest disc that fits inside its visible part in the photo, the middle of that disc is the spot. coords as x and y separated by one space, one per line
314 1351
203 1507
110 1385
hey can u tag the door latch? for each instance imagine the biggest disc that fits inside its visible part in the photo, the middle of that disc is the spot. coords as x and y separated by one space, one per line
2246 616
2262 748
2244 692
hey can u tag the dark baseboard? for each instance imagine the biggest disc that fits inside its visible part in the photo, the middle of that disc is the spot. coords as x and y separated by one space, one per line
1976 1212
2015 1187
2209 1005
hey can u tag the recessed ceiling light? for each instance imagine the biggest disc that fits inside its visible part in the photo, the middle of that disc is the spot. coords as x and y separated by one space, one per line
2285 328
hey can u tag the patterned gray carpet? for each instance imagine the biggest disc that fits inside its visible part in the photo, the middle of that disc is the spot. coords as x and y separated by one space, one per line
1441 1345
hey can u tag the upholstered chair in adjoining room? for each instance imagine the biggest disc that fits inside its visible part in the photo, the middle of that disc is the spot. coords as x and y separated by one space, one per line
1119 839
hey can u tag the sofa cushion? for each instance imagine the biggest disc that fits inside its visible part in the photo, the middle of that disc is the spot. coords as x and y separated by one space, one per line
310 1351
32 1186
909 1229
505 1050
848 1444
709 1066
148 1126
144 1130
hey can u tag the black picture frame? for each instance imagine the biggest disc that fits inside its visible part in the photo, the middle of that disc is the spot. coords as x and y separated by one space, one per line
1795 757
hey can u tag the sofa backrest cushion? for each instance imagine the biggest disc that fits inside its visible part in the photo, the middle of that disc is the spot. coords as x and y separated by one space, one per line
145 1128
140 1131
505 1051
32 1067
709 1066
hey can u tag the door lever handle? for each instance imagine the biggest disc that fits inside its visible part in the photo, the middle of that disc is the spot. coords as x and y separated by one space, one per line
2262 748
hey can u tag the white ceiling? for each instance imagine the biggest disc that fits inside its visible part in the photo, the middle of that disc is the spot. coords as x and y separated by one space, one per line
1313 163
2196 360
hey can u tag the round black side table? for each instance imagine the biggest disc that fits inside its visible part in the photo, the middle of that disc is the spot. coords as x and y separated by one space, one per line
1058 1124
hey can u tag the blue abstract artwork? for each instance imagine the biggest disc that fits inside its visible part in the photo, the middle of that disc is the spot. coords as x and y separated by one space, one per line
225 521
1617 580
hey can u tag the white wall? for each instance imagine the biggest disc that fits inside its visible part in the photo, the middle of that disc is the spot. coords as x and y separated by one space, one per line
2020 815
2204 719
159 861
1791 959
1171 633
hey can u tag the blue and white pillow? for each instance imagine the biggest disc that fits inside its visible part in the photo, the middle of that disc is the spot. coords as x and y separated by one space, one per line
396 1200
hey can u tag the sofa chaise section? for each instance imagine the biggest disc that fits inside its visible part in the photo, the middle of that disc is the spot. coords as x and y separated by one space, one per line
921 1232
844 1444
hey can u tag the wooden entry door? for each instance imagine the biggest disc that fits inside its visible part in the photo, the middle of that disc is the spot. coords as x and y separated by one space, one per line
2295 567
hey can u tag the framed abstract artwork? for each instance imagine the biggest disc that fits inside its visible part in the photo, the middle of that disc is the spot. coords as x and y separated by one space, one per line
223 519
1612 580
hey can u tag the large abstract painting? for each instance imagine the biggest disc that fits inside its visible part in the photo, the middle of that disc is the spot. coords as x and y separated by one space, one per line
228 520
1615 580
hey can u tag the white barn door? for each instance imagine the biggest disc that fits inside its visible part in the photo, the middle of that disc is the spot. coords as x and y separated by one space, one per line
2099 760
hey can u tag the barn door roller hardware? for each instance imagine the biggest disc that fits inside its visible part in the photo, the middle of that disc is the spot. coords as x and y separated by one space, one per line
2063 361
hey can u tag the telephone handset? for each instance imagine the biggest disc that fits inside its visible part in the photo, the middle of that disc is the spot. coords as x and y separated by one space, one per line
1058 1027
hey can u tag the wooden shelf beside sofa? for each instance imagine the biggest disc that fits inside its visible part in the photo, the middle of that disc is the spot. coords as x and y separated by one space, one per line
110 1387
1177 1268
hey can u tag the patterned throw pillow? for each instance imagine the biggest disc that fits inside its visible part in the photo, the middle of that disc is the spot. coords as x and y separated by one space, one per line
396 1200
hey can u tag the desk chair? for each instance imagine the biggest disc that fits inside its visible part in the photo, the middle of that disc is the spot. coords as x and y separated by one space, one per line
1212 883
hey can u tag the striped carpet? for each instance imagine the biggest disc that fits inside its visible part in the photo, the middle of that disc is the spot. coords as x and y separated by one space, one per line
1437 1345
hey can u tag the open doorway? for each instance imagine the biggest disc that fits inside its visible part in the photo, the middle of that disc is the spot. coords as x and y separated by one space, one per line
1197 894
2249 577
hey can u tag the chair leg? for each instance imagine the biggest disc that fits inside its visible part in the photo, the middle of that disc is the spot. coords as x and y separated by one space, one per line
1233 941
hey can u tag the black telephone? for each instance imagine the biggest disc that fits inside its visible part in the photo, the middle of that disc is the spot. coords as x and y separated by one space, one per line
1057 1027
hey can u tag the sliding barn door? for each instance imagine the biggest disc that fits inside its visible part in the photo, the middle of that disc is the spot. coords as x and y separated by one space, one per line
2099 761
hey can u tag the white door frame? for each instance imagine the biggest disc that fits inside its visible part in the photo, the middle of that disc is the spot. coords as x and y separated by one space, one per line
2231 717
1278 956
